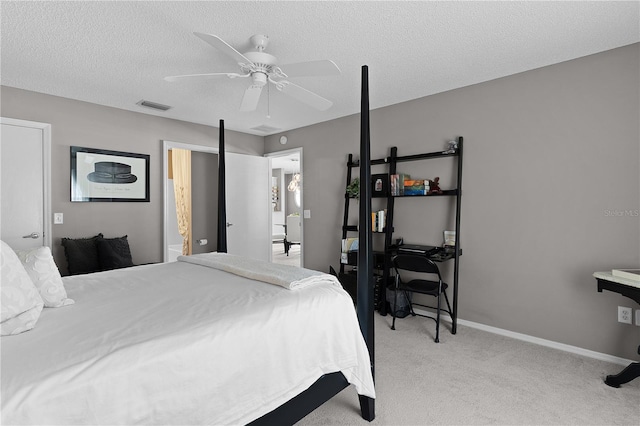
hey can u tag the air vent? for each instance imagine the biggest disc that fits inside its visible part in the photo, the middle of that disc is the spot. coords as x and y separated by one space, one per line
264 128
153 105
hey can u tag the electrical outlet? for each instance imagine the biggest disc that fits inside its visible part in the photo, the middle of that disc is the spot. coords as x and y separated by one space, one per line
637 316
624 314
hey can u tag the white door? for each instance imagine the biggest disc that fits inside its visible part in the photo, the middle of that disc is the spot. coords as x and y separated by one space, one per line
24 180
248 194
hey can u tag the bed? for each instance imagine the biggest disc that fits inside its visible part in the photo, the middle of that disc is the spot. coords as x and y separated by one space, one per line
209 339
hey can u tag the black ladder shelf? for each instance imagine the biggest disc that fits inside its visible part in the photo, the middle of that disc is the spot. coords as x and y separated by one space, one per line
382 260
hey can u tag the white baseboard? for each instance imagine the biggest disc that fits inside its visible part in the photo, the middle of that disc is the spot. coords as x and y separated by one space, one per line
531 339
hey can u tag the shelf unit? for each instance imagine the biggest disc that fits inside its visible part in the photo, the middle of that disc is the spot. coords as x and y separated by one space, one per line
383 261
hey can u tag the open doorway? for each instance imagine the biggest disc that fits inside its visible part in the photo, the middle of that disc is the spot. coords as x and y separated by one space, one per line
247 210
203 206
287 208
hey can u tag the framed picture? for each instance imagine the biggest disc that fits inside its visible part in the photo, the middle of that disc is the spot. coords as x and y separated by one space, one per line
380 185
101 175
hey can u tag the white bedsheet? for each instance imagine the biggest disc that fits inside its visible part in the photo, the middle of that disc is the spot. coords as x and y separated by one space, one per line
143 345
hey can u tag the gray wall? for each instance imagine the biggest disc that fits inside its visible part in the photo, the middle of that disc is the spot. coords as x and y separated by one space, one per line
75 123
550 156
204 200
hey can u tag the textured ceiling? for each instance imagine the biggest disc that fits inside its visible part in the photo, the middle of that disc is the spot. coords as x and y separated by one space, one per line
118 52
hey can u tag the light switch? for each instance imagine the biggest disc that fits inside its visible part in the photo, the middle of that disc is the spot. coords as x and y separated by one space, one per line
58 219
307 214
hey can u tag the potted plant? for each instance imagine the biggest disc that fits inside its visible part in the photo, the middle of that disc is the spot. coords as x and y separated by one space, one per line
353 189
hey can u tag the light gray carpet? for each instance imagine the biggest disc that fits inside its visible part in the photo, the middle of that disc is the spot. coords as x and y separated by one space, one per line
477 378
280 257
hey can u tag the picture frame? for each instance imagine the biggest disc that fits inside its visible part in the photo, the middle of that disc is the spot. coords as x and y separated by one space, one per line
380 185
108 176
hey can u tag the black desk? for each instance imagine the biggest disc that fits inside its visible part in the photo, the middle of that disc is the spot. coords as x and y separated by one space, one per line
437 254
606 281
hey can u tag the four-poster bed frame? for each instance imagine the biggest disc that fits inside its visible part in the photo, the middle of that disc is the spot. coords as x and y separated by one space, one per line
327 386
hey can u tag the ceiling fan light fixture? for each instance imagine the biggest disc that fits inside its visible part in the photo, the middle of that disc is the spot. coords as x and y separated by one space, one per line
259 78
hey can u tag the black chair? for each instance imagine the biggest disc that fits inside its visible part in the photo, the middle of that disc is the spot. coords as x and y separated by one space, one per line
435 287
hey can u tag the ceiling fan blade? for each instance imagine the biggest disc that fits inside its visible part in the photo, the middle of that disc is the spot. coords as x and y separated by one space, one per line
250 98
206 76
224 47
303 95
310 69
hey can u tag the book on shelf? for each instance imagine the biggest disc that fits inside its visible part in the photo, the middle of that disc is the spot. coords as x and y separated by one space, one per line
416 187
397 183
378 220
630 274
349 244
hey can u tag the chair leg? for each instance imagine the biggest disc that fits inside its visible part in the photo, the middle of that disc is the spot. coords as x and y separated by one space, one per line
406 296
394 308
438 314
448 305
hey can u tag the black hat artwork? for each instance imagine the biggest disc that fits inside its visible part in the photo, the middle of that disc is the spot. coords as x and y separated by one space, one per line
110 172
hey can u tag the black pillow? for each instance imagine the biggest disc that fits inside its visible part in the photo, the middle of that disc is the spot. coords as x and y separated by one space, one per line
114 253
81 254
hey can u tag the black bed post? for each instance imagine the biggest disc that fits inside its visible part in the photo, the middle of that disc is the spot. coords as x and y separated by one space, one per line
364 306
222 200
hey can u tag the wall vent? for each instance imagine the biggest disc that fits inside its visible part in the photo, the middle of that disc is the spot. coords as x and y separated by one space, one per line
153 105
264 128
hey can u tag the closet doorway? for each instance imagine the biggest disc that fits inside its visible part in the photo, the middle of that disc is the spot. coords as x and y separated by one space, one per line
287 225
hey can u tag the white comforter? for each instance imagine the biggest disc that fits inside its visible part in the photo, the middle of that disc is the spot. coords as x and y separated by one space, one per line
144 345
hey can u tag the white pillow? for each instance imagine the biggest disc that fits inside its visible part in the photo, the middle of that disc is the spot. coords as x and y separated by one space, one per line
20 301
43 271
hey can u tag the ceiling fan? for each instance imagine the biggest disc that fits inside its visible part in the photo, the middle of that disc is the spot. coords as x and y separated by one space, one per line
263 68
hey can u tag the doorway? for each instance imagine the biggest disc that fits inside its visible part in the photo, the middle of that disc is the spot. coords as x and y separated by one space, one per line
204 169
287 225
247 183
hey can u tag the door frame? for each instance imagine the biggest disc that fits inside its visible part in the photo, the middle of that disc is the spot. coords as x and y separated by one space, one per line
46 171
166 146
286 153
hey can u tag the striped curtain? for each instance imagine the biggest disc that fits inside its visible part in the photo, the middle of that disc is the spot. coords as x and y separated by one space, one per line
181 163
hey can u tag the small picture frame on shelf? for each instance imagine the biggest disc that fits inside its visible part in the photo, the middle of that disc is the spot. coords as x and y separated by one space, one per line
380 185
449 238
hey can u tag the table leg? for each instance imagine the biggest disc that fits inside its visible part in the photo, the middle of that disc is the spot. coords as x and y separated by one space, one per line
628 374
